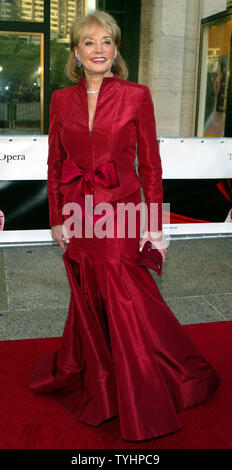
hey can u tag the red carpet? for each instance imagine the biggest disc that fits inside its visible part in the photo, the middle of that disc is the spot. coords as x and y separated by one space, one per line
30 421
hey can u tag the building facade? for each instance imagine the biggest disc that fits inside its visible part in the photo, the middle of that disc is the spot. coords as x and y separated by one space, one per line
160 43
168 60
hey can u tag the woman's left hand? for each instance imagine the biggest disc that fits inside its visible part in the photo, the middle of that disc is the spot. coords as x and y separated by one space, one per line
158 241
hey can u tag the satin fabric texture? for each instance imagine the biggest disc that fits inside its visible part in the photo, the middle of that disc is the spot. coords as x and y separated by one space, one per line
124 123
123 352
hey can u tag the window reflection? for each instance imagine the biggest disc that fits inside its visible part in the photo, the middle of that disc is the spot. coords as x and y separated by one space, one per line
22 10
21 60
62 15
214 79
20 83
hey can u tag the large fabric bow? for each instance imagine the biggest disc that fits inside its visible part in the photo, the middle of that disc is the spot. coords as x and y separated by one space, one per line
76 182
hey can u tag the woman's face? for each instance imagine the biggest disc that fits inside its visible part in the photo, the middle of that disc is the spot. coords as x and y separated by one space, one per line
96 50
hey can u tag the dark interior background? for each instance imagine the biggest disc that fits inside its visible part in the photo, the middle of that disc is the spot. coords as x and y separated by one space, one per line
127 15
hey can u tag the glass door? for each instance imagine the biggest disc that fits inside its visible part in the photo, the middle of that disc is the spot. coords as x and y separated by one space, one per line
213 86
21 83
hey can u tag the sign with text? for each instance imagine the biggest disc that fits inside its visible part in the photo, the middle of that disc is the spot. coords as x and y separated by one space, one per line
196 181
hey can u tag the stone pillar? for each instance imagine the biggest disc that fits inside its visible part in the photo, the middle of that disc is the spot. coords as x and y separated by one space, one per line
168 55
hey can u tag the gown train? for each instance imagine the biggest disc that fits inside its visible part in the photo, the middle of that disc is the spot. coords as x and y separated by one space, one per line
123 352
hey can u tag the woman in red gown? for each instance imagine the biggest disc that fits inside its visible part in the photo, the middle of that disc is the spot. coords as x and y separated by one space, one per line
123 353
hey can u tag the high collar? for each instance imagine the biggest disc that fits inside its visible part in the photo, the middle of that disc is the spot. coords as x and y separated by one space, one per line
106 81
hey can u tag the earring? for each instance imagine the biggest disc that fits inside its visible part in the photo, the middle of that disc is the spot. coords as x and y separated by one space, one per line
78 62
115 60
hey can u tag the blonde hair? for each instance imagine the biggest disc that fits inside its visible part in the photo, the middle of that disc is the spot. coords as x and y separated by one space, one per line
78 26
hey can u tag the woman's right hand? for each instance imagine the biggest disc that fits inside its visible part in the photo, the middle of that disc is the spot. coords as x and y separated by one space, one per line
59 236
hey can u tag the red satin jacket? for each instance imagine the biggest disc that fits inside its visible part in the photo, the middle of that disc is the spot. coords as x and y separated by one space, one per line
124 124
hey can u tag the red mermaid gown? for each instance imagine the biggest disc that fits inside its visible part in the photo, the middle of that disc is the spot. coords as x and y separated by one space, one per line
123 353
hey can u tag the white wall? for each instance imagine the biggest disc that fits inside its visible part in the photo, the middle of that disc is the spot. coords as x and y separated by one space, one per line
211 7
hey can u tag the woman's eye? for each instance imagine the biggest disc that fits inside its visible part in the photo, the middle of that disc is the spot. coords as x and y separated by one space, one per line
88 43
